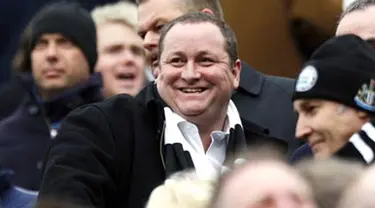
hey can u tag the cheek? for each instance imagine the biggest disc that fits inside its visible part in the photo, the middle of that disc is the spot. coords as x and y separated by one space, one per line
79 66
224 79
140 63
104 63
36 65
168 76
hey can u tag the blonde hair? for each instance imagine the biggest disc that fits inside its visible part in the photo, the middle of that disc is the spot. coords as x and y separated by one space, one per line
183 190
122 11
329 178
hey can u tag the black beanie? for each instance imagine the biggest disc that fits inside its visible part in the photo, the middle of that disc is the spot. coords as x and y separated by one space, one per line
71 21
341 70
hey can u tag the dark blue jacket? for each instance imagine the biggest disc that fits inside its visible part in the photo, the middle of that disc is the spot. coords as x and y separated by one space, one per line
12 196
25 135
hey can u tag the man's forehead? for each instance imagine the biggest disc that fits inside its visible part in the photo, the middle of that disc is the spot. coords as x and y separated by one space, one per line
52 37
194 33
359 22
195 30
152 11
303 103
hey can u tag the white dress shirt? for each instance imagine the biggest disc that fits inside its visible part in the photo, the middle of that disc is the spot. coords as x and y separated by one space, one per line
207 164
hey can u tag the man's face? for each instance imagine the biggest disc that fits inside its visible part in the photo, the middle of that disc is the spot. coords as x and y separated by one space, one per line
326 125
121 59
57 64
196 77
153 15
360 23
265 185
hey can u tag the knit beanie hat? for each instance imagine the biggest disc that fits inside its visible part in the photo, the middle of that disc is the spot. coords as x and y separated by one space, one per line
341 70
71 21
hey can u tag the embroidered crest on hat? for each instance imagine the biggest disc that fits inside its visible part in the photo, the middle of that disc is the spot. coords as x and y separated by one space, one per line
307 79
365 97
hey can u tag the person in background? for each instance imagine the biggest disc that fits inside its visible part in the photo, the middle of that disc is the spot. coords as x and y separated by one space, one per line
183 190
360 193
334 97
121 56
56 71
263 183
329 178
10 39
357 18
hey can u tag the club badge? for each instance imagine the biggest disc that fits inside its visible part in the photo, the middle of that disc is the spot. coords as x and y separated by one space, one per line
365 97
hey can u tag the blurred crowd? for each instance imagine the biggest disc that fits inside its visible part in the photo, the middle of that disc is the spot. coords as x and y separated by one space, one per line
148 104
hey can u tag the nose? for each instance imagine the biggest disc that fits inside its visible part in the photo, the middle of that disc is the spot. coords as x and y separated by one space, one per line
151 40
190 74
51 52
302 128
128 57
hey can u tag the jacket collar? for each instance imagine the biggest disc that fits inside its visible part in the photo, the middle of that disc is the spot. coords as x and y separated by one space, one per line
58 107
4 180
251 81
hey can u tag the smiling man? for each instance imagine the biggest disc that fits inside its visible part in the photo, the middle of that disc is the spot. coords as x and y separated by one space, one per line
334 97
113 154
256 94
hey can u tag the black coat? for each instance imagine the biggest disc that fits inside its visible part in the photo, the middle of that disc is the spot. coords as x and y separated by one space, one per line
267 101
111 154
25 134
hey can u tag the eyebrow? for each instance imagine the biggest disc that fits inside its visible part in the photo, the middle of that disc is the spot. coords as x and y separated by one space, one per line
149 25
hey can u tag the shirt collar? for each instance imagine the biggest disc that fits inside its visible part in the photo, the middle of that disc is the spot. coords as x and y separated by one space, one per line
231 120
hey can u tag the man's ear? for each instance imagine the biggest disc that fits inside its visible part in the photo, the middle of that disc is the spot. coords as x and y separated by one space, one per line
208 11
362 115
236 71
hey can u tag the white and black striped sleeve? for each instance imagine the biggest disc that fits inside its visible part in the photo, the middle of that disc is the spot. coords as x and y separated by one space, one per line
361 146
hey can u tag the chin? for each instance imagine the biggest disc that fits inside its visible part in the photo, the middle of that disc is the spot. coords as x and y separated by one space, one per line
322 155
191 112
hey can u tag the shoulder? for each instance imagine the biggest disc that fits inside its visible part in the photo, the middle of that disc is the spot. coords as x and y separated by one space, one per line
259 136
361 146
118 104
283 84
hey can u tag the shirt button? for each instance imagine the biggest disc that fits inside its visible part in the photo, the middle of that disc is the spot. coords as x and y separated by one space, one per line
33 110
53 133
39 165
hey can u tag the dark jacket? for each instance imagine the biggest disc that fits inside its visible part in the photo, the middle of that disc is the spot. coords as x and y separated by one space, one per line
13 93
25 135
112 154
267 102
360 147
12 196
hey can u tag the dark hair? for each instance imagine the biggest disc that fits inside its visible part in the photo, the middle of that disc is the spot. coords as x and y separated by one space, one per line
200 17
198 5
356 6
21 60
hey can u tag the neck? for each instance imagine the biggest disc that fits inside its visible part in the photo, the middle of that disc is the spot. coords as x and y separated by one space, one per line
48 95
207 126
